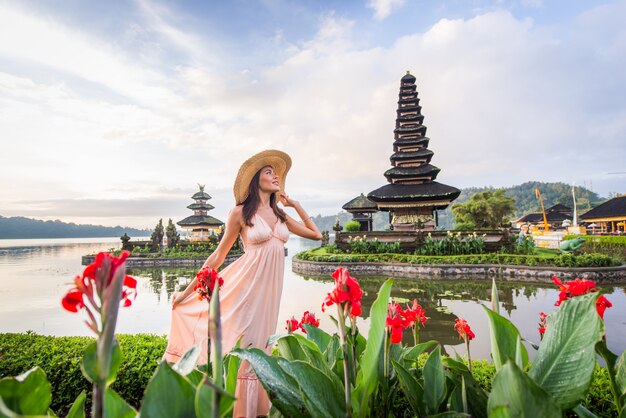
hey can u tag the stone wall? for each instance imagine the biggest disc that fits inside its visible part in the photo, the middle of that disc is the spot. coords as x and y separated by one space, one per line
602 275
164 262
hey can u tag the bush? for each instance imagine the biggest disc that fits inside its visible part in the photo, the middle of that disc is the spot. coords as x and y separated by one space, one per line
352 226
61 357
565 260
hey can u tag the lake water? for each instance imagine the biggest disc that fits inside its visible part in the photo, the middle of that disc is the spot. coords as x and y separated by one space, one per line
35 274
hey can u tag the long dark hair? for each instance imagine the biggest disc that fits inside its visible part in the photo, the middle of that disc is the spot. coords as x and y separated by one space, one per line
251 204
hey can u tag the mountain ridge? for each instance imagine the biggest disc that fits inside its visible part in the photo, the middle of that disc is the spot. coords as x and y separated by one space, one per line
20 227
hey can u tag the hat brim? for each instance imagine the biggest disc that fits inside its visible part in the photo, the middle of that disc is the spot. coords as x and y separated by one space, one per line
278 160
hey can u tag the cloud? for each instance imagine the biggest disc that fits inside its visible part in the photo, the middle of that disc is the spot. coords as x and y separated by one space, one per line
383 8
505 100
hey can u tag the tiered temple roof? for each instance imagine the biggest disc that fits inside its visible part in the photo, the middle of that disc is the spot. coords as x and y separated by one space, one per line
200 223
412 193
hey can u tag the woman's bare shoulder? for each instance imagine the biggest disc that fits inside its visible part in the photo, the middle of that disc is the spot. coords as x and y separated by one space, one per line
236 214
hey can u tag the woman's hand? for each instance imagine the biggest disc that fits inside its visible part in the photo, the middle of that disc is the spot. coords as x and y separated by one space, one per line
176 300
286 200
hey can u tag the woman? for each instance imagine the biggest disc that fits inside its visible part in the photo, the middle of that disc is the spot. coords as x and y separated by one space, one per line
250 296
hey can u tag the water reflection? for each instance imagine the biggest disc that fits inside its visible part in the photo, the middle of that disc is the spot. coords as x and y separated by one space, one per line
435 298
34 275
163 282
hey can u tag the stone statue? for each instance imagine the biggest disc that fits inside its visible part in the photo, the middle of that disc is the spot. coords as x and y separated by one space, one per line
571 245
337 227
325 238
125 239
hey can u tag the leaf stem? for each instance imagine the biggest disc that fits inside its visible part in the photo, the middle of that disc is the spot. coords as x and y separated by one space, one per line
346 366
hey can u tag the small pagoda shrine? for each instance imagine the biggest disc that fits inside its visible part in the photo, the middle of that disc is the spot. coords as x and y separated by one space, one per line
412 195
202 226
362 209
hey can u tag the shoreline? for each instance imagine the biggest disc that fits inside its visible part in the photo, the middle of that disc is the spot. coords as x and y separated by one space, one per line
138 262
513 273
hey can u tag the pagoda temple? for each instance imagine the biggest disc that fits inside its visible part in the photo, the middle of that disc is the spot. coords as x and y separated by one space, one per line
412 195
361 209
202 226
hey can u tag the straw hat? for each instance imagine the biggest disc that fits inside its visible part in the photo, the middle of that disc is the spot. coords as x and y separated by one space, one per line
280 162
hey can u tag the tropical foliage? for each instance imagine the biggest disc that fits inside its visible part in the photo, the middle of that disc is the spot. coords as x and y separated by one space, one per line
490 209
343 373
553 260
453 244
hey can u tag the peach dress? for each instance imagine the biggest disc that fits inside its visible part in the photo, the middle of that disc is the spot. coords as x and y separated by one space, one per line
249 298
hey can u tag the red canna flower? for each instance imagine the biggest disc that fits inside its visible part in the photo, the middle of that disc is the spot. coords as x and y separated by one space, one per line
73 300
542 323
292 325
415 314
464 330
347 292
578 287
396 323
129 291
602 304
92 289
87 286
309 318
206 280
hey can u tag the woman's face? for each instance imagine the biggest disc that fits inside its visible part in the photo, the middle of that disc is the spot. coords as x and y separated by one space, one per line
268 180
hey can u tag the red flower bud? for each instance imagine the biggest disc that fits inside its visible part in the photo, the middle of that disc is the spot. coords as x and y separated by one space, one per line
292 325
347 292
464 330
309 318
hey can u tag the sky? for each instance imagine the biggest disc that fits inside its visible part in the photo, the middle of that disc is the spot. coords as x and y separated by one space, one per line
113 112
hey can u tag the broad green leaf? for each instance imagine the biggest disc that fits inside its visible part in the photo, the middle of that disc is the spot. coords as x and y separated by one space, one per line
195 377
456 365
27 394
188 361
504 336
297 347
620 373
116 407
368 376
566 358
501 411
583 412
476 395
78 407
517 392
89 365
323 396
231 364
5 412
519 353
411 354
434 381
331 354
283 389
168 394
204 400
412 389
450 414
622 413
318 336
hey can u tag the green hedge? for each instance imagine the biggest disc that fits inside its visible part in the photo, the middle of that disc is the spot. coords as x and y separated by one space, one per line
565 260
614 246
60 358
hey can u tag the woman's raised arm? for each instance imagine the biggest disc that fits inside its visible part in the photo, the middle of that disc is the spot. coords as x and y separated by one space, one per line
306 229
